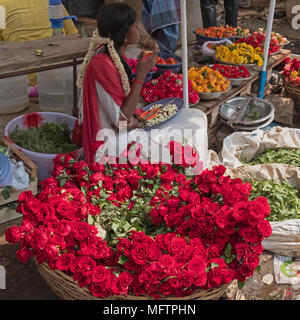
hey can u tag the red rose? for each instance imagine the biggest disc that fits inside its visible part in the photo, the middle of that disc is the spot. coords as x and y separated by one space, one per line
177 246
64 228
95 178
101 274
264 228
120 285
84 265
252 260
140 252
246 270
24 254
82 230
13 234
50 252
65 261
39 238
185 279
249 234
98 290
124 246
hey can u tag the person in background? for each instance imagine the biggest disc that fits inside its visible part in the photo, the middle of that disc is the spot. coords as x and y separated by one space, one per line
28 20
161 20
209 14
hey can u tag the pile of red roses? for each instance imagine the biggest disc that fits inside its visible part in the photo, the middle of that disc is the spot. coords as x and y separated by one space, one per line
168 85
291 71
191 232
257 40
232 72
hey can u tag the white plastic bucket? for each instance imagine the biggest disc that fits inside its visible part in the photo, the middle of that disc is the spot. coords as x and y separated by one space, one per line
42 160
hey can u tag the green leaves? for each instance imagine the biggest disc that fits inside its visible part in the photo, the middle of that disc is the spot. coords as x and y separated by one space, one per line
284 199
241 285
49 138
281 155
228 256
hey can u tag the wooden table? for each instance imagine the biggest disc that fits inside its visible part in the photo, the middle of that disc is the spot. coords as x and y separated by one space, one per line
19 58
211 108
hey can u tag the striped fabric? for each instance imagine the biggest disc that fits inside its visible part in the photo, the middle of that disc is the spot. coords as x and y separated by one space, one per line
161 19
28 20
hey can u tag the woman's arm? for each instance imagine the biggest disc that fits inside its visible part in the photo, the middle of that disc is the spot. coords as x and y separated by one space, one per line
143 67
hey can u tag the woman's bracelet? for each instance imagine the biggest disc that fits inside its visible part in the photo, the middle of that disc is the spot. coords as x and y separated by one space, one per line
138 82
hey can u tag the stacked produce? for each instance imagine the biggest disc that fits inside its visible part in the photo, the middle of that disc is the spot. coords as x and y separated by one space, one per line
207 80
168 85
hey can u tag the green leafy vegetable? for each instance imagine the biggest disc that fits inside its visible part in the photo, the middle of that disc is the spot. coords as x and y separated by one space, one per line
282 155
284 199
49 138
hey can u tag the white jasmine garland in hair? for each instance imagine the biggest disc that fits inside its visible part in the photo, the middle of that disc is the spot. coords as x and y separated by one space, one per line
95 42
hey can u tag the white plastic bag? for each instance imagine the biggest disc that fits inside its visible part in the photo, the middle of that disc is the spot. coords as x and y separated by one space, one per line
211 52
20 178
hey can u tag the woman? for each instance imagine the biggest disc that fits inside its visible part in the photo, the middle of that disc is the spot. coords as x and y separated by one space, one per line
110 94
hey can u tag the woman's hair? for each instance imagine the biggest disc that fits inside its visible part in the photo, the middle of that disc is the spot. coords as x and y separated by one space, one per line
114 21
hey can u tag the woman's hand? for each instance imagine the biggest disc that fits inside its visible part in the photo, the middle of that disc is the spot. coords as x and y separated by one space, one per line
144 66
133 124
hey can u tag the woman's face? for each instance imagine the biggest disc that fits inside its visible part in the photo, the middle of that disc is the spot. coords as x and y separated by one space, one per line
133 35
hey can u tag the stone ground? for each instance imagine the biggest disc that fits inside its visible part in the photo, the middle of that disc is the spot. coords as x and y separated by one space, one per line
23 282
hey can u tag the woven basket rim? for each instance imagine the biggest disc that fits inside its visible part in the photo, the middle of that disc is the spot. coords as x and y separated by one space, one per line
45 271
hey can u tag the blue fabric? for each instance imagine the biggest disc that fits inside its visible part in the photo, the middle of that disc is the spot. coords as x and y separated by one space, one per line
161 19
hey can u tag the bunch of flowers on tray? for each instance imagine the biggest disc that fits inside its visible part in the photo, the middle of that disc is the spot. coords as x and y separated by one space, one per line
143 229
168 85
257 40
207 80
291 71
232 72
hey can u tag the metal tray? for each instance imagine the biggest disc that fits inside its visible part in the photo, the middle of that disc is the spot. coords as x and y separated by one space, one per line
265 108
179 103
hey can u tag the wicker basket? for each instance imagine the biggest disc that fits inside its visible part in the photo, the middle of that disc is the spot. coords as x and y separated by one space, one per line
294 92
67 289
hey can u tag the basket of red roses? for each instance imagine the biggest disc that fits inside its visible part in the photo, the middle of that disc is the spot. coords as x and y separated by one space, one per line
291 77
139 230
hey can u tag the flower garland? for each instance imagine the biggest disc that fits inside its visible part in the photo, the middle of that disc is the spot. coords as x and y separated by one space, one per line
95 42
166 233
